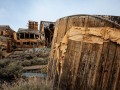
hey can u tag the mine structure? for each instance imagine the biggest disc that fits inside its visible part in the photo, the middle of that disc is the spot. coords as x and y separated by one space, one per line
47 30
28 38
22 39
25 38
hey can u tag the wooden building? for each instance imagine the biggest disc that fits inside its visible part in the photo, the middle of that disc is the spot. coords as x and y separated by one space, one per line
28 38
6 31
86 53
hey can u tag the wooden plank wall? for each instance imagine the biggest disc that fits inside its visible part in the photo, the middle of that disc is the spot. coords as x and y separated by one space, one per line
86 66
90 67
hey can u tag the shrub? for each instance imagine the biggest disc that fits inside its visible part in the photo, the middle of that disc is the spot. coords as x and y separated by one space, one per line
44 70
26 63
14 69
30 84
10 69
4 63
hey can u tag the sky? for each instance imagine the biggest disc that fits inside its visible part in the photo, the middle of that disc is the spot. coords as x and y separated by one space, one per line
16 13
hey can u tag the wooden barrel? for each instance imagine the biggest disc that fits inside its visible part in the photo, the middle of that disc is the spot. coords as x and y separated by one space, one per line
85 53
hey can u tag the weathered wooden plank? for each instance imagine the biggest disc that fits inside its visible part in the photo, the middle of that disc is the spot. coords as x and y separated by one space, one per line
65 79
86 68
78 48
91 67
94 63
115 70
79 79
108 65
61 29
101 66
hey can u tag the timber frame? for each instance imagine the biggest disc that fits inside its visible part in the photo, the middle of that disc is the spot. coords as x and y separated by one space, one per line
28 38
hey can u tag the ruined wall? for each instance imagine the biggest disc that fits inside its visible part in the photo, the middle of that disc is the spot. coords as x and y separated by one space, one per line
85 54
47 30
6 39
32 25
6 31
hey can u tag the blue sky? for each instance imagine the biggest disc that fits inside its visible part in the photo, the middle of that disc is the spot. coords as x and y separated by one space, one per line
16 13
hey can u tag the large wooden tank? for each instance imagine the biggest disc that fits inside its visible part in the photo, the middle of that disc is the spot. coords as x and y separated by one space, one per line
86 53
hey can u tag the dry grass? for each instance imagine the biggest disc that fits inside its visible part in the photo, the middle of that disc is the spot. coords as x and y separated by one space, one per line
30 84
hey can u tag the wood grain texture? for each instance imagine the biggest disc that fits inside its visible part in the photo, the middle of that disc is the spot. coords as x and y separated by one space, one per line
85 66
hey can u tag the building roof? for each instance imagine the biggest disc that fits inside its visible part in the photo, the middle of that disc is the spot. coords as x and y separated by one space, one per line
46 23
6 27
23 30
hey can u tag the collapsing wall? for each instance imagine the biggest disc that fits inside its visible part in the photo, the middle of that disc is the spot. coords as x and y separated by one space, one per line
32 25
85 53
47 29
